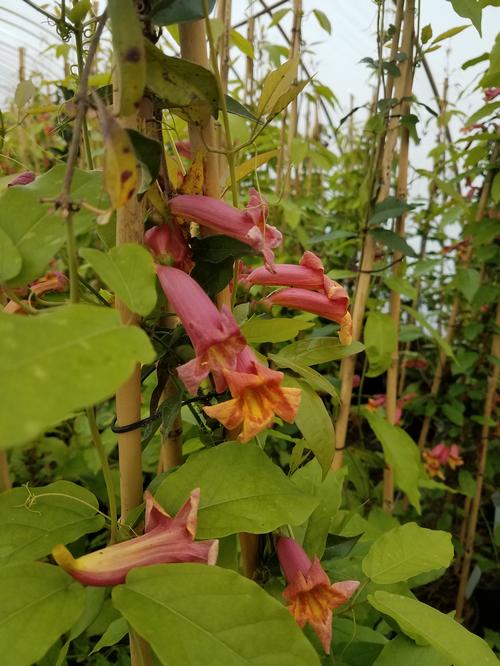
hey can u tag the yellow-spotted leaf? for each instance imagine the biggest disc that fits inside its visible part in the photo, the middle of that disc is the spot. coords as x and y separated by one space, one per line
121 178
276 84
194 178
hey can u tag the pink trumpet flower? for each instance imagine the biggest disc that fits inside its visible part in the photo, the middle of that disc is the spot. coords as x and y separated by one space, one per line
310 595
309 274
168 239
51 281
248 226
333 307
166 540
215 335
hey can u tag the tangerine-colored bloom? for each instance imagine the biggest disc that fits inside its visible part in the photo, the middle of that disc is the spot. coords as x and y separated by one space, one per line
168 240
310 595
215 335
248 226
51 281
257 396
166 540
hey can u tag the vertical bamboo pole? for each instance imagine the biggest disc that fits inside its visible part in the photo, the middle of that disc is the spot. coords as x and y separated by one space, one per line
482 457
293 115
401 193
455 308
249 63
387 145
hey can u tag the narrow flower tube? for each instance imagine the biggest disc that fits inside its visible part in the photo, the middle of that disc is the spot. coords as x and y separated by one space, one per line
215 335
248 226
166 540
257 397
308 274
310 595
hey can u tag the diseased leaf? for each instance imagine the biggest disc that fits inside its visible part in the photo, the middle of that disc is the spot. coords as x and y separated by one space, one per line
284 100
38 603
130 56
276 84
192 614
129 271
188 89
251 494
69 357
121 178
31 524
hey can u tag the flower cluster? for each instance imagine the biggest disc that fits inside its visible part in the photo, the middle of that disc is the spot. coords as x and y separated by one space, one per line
440 455
379 400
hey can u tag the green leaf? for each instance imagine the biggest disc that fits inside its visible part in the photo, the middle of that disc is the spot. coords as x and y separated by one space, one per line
393 241
329 494
323 20
241 491
129 55
381 340
490 78
401 286
403 651
470 9
426 33
113 634
242 43
440 631
315 424
401 453
38 603
387 209
194 614
25 90
217 248
424 322
213 278
237 109
31 523
449 33
453 414
68 358
468 282
495 188
313 378
188 89
35 228
278 329
276 84
475 61
314 351
148 152
407 551
129 271
168 12
358 645
10 258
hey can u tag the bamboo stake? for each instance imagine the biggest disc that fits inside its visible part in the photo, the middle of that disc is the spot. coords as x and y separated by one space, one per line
452 321
402 192
249 63
386 151
482 457
293 112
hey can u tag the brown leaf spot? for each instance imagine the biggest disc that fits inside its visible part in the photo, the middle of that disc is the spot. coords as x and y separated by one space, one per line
133 54
125 175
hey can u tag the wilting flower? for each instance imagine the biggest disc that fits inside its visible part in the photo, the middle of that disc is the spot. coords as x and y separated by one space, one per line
166 540
440 455
310 595
257 395
24 178
168 240
248 226
215 335
333 308
51 281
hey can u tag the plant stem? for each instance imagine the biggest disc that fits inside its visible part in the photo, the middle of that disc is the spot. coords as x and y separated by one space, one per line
74 289
293 114
106 472
85 129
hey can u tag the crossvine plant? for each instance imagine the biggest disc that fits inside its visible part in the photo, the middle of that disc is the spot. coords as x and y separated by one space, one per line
245 418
